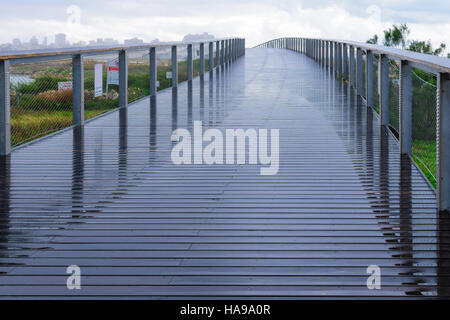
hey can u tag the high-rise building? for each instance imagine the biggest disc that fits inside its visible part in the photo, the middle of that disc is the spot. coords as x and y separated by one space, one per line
60 40
34 41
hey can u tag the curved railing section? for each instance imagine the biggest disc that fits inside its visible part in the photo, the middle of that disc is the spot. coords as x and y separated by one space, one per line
353 62
45 95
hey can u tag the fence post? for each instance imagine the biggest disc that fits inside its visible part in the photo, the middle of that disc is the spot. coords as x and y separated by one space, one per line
359 72
78 89
153 72
174 67
443 141
352 66
189 62
202 58
211 56
222 52
331 55
369 78
336 57
405 95
345 61
383 80
123 79
217 53
339 58
5 109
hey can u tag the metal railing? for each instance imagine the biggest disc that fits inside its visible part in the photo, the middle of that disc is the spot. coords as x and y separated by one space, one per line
41 100
354 61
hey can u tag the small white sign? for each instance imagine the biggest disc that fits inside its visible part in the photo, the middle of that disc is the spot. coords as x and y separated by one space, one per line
113 71
64 85
157 84
169 75
98 83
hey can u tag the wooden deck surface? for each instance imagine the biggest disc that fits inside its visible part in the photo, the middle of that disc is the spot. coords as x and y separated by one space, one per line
109 199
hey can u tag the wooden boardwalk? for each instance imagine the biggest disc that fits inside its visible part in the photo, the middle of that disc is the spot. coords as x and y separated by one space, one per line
109 199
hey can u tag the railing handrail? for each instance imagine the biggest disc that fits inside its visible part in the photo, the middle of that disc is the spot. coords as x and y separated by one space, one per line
428 62
98 50
227 50
345 59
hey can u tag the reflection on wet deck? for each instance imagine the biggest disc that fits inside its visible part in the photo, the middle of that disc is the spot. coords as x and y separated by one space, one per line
108 199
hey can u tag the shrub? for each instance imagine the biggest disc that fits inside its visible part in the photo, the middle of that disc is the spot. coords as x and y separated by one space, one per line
41 84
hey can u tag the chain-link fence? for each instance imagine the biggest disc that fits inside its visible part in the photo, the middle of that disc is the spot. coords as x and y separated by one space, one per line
105 96
376 94
394 95
424 123
164 66
196 60
41 99
138 74
182 63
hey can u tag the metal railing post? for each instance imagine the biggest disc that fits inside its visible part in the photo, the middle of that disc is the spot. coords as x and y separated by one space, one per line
202 58
78 90
369 78
336 59
405 95
5 108
217 53
317 49
222 52
189 62
352 66
174 67
443 141
211 56
345 61
331 55
153 72
359 72
123 79
339 58
383 80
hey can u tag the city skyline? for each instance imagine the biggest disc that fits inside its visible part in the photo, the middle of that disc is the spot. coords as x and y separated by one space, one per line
61 41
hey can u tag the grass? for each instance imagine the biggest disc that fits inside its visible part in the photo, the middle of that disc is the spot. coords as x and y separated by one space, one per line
424 154
38 108
33 125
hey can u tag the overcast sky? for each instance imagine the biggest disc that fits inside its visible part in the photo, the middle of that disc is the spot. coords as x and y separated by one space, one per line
256 20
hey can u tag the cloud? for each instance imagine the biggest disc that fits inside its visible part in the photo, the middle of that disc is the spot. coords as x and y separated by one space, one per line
257 20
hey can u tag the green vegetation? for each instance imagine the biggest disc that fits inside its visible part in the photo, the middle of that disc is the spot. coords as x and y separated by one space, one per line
424 98
424 154
38 108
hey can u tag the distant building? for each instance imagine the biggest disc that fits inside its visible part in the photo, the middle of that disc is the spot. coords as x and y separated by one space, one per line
79 44
198 37
60 40
16 43
134 41
34 41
